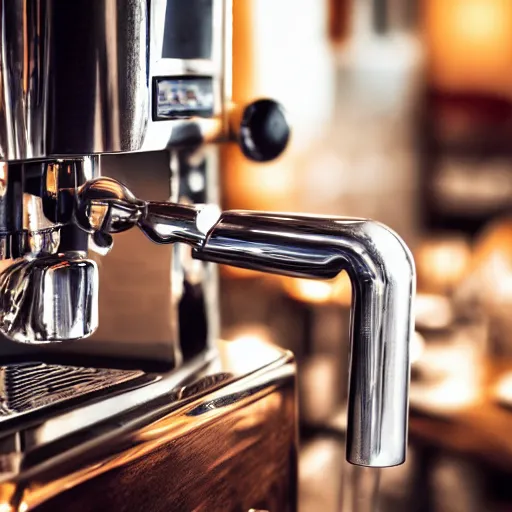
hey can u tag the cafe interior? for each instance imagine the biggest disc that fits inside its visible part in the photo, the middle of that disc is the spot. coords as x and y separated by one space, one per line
401 111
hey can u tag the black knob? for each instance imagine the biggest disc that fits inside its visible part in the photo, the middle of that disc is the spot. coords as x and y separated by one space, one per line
264 130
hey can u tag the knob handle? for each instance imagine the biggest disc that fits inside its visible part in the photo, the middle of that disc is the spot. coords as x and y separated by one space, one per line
264 130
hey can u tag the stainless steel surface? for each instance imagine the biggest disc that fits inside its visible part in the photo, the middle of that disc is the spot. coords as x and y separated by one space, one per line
378 262
179 304
224 425
49 299
34 386
157 305
80 79
163 134
57 103
48 289
77 77
85 78
36 201
107 206
382 272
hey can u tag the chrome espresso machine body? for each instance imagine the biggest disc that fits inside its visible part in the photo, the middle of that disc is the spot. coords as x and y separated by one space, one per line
116 392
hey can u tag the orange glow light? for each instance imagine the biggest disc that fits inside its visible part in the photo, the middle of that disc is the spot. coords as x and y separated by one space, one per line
470 44
442 263
337 290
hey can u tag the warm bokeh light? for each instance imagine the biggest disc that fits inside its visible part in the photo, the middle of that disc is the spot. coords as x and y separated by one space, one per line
316 457
450 374
239 273
492 263
449 396
337 290
417 347
319 388
442 263
256 186
470 44
488 288
270 55
433 311
453 383
503 389
249 347
7 507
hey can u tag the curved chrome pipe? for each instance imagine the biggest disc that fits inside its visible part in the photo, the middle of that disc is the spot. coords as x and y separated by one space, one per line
382 273
380 266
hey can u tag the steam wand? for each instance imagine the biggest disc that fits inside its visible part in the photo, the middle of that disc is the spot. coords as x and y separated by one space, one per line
379 264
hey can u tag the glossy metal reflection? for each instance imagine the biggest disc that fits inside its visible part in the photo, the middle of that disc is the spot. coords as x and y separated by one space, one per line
37 199
34 386
224 426
74 77
383 277
382 274
107 206
48 290
49 299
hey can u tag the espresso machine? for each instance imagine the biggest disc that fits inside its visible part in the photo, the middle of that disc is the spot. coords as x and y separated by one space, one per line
116 392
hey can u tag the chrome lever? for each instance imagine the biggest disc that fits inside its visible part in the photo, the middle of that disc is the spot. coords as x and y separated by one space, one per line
378 262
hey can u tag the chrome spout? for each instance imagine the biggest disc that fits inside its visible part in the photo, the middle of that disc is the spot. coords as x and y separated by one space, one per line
382 273
379 264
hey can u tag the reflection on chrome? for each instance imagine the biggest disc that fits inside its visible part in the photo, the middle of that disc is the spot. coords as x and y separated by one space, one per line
129 432
379 265
48 299
28 387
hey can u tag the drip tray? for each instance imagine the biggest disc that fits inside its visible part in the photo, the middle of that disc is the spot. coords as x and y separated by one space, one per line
29 387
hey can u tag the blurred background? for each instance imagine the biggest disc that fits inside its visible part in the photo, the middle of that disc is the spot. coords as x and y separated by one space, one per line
402 112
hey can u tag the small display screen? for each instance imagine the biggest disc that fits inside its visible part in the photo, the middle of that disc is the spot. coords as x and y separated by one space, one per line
183 97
